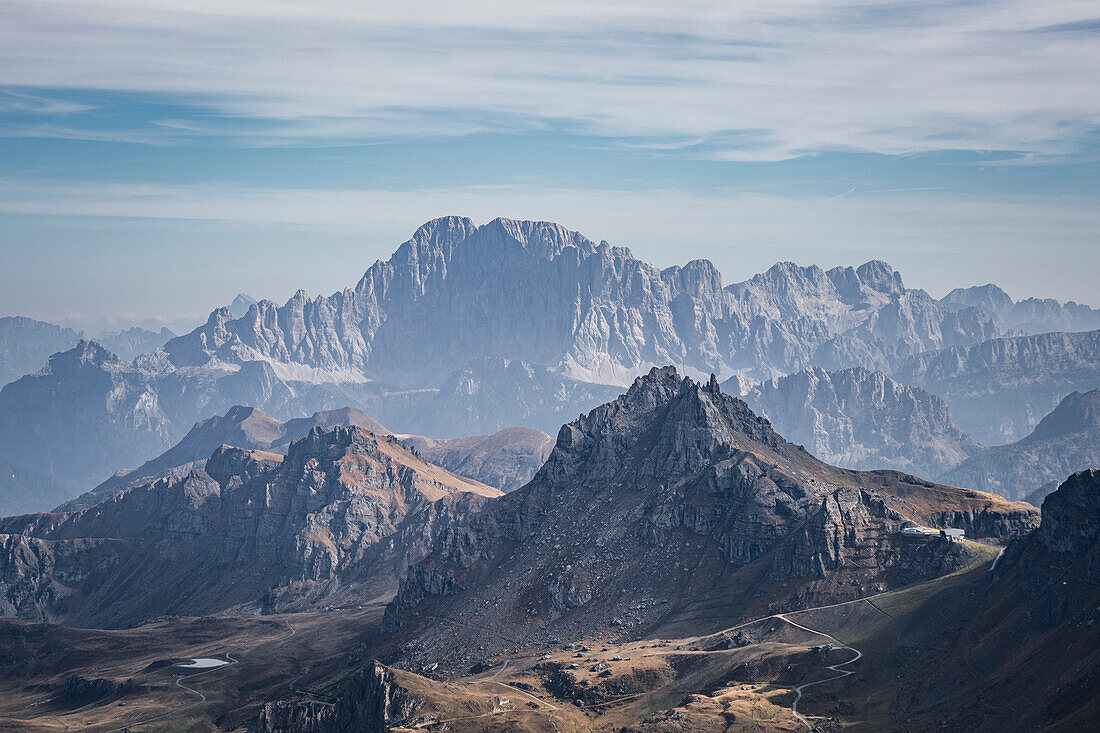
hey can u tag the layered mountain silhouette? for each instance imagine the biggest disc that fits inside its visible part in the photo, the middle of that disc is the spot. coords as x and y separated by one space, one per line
472 329
504 460
540 293
1031 315
676 506
1065 441
341 515
26 344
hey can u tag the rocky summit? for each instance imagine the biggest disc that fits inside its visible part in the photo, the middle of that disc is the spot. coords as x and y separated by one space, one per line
339 517
676 506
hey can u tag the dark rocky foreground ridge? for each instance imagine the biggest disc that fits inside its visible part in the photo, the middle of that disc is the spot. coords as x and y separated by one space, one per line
341 514
1024 654
1015 649
676 505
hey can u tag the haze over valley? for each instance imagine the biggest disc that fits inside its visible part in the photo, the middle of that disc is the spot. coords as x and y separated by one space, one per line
627 368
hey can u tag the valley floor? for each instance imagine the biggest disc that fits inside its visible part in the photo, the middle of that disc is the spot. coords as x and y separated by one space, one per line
840 666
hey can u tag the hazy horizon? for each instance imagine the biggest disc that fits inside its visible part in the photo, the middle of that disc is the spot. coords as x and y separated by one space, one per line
155 160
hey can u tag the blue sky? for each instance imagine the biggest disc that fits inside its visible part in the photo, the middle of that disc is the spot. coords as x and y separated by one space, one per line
157 158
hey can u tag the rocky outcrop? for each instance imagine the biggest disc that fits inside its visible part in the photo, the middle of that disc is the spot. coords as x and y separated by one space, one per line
343 513
1000 389
861 419
1057 567
371 700
687 497
1065 441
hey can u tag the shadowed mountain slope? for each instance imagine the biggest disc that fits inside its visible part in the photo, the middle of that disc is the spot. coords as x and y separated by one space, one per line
676 506
339 516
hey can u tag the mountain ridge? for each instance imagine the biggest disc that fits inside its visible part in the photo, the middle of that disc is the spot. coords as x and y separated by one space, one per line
677 472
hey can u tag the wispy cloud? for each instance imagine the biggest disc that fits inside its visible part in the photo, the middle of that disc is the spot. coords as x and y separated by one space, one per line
940 240
756 81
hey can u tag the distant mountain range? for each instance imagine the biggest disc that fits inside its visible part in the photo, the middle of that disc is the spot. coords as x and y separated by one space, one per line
1065 441
539 293
472 329
1029 316
26 344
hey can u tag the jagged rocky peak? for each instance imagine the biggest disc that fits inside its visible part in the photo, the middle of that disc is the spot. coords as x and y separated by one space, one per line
1077 412
86 353
250 528
675 474
880 276
697 278
241 303
666 422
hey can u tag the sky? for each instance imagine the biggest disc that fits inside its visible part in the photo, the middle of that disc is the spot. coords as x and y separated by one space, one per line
158 157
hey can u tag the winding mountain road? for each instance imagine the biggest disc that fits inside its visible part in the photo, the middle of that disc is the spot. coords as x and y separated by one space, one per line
834 667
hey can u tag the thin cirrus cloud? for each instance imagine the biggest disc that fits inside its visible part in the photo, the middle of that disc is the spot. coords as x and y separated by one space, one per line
741 234
766 81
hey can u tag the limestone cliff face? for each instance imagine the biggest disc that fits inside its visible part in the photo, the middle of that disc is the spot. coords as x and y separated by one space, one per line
861 419
343 512
370 701
537 292
1065 441
664 501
